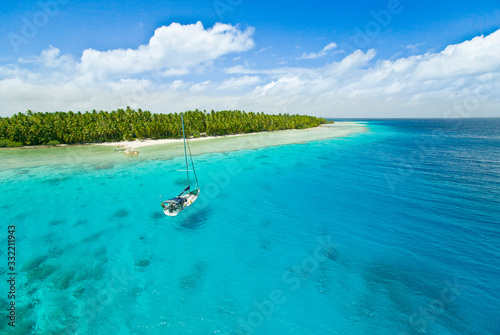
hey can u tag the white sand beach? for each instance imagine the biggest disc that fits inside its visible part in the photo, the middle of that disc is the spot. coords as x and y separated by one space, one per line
107 154
255 140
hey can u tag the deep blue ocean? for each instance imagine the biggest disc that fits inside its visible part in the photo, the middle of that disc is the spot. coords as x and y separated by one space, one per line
395 230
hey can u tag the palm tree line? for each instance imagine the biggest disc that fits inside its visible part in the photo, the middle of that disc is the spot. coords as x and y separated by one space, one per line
128 124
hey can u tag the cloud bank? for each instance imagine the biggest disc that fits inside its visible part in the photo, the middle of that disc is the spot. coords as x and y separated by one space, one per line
185 67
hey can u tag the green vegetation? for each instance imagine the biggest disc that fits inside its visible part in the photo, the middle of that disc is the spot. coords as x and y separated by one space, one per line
89 127
9 143
53 143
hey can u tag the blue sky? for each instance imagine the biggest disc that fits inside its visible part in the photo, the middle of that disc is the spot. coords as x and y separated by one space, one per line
406 58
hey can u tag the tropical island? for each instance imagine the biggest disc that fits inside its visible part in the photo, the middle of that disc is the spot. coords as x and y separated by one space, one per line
56 128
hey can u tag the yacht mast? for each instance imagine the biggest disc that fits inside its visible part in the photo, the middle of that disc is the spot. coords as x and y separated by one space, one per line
185 153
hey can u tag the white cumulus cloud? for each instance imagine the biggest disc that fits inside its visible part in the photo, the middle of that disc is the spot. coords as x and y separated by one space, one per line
322 53
176 46
465 75
236 83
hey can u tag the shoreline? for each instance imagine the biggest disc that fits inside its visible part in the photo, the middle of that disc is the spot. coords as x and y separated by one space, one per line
151 142
106 154
139 143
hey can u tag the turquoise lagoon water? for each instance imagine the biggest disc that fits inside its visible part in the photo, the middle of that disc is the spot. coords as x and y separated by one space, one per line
391 231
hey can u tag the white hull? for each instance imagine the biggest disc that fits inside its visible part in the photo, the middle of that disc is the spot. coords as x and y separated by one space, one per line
173 210
174 206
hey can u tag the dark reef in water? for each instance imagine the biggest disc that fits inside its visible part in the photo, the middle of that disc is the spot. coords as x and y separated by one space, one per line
266 243
141 264
80 222
194 277
56 222
103 166
62 281
195 220
34 263
93 237
180 182
40 273
121 213
157 215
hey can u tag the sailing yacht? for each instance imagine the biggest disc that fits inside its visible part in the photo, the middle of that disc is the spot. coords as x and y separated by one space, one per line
174 206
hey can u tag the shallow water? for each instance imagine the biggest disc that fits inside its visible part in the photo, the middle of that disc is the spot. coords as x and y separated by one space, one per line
390 231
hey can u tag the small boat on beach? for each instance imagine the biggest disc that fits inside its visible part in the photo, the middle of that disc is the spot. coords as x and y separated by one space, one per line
127 150
130 152
175 205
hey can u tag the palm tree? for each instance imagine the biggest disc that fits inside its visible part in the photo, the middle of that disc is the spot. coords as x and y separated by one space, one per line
41 128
